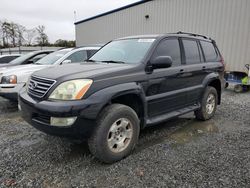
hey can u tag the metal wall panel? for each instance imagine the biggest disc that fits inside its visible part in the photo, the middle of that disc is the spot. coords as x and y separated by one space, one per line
227 21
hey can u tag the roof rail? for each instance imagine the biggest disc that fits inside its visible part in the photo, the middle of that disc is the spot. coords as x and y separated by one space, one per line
192 34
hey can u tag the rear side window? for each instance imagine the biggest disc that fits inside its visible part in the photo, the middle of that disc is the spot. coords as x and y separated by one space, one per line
169 47
192 53
209 51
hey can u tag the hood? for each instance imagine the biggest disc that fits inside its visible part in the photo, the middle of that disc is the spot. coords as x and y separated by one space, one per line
82 70
22 69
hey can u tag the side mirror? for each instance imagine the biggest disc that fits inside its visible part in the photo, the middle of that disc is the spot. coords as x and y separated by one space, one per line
162 62
66 61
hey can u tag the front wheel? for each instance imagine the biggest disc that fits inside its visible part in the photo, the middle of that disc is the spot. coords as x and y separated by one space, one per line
116 133
208 104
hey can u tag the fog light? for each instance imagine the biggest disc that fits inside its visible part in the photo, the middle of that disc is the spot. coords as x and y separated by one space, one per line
62 122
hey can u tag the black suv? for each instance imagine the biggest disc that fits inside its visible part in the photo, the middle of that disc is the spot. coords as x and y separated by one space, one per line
129 84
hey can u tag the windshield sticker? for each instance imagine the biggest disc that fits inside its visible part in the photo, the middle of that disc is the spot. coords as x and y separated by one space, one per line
146 40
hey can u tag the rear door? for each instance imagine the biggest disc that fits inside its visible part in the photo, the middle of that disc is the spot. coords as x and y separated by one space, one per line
194 70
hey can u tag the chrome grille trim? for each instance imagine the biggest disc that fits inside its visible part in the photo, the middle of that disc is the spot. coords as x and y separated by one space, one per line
43 85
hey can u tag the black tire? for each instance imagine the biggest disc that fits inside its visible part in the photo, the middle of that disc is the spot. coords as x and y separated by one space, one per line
99 140
202 113
238 88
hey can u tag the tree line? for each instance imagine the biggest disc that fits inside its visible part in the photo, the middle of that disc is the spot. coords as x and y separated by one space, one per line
13 35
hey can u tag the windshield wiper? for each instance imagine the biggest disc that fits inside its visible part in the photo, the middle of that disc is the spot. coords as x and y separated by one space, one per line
112 61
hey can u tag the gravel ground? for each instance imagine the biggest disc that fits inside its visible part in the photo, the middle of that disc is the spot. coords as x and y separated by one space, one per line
180 153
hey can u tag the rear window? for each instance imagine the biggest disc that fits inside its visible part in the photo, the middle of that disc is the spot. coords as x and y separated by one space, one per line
192 53
209 51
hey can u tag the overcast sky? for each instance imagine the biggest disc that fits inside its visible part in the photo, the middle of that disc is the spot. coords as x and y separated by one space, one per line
56 15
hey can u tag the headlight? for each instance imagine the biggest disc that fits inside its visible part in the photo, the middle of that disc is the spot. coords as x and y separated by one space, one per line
12 79
71 90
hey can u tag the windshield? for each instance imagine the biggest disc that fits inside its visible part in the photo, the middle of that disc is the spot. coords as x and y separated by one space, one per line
22 58
124 51
52 58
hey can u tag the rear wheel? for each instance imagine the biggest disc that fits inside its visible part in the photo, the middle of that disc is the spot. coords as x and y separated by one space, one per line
238 88
116 133
208 104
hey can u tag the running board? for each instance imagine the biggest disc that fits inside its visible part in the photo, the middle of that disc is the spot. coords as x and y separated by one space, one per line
164 117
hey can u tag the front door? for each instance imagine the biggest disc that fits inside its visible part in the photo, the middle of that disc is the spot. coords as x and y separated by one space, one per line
166 87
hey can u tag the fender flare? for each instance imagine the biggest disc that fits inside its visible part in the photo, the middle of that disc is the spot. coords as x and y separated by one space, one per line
103 97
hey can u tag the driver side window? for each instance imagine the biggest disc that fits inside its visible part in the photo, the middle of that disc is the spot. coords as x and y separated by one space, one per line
169 47
78 56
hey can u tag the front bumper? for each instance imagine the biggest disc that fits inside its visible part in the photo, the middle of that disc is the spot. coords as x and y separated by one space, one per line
10 91
38 114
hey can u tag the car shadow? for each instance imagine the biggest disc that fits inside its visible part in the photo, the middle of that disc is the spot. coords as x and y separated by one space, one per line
173 132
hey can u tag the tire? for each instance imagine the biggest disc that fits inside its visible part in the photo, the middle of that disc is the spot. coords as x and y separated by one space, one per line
208 104
238 89
116 134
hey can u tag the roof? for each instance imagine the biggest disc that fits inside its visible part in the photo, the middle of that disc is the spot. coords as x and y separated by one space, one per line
113 11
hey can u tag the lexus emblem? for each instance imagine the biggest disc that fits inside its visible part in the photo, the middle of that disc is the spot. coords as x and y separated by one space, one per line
33 85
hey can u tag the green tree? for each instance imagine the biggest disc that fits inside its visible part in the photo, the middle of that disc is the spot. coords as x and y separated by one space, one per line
65 43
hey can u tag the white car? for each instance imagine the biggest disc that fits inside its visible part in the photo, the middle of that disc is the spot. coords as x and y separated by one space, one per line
12 79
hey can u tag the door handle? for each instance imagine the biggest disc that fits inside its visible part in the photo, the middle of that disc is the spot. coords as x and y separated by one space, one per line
204 68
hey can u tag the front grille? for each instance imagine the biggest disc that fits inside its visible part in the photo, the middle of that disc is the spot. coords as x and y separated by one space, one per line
41 118
38 87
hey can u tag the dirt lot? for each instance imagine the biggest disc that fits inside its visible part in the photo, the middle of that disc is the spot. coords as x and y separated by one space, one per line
180 153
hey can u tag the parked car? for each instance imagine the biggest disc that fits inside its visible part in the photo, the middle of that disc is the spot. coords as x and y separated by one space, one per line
8 58
14 78
29 58
129 84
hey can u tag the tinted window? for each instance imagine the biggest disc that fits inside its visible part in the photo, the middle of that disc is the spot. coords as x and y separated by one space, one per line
191 51
7 59
78 56
169 47
209 51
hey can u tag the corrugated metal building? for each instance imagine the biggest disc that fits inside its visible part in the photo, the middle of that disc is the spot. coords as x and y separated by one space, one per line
226 21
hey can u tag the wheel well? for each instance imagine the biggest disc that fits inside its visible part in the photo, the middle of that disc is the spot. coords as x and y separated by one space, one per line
134 102
217 85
